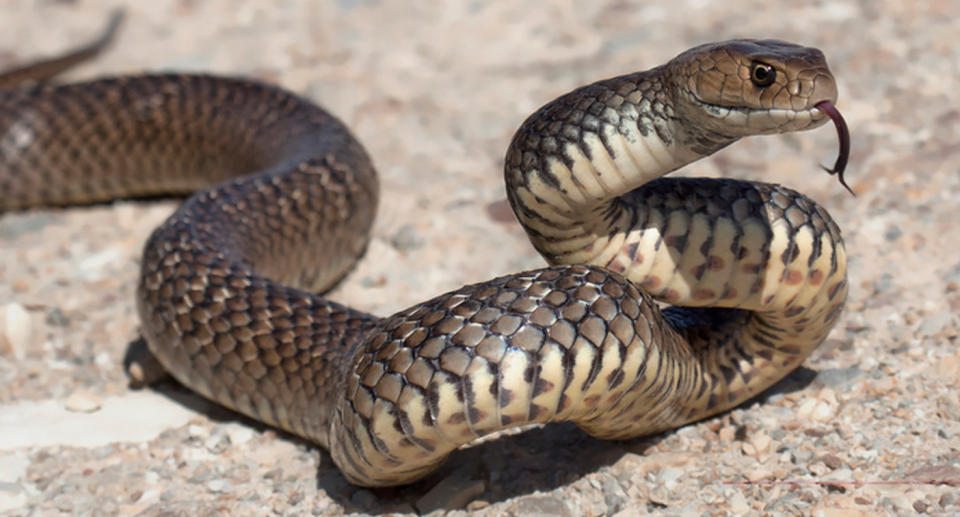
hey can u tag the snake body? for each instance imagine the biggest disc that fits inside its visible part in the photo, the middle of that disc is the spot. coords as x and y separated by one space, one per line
286 197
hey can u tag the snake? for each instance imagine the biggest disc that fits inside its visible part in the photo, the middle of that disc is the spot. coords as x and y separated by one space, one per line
665 300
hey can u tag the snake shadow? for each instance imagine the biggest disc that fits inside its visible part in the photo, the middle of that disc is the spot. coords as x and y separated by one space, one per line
539 459
514 464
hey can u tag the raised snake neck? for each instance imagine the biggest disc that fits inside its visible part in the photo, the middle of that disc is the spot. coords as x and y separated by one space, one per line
390 398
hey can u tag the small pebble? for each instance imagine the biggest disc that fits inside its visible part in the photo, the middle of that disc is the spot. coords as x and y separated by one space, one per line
761 443
818 469
738 503
823 412
659 495
760 473
406 238
949 499
81 401
949 367
239 434
198 432
832 461
727 433
669 476
217 485
217 442
883 284
477 504
805 409
55 317
841 474
452 493
935 324
371 281
892 233
541 506
948 474
614 497
838 377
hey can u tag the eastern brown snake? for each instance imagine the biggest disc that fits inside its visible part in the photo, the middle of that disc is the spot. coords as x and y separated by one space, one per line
286 197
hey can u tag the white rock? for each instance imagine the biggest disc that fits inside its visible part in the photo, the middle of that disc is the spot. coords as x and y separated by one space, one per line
806 408
823 412
738 503
16 330
81 401
99 265
759 473
135 417
669 476
761 443
11 500
217 485
198 431
13 467
239 433
841 474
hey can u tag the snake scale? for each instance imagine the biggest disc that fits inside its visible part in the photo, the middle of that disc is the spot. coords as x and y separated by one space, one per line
285 198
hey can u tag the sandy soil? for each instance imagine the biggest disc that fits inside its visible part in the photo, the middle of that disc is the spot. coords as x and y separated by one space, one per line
435 90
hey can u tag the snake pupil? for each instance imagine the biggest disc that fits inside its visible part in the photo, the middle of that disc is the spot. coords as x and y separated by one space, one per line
762 74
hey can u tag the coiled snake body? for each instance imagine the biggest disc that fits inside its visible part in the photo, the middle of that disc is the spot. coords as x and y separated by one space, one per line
223 294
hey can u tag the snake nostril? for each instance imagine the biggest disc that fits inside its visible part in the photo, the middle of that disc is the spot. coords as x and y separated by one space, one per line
794 87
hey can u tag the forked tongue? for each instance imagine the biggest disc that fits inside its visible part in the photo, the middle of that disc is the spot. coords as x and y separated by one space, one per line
844 135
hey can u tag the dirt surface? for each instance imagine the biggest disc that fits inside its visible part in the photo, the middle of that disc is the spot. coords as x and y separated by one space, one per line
435 90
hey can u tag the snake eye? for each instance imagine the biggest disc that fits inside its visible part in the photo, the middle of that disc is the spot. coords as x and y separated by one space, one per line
762 74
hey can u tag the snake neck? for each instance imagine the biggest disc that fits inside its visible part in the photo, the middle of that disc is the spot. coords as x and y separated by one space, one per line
584 178
571 163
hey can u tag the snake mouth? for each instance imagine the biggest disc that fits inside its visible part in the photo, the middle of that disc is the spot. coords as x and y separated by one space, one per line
843 134
755 121
780 120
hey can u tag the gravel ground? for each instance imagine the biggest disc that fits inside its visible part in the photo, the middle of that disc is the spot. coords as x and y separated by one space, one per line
435 90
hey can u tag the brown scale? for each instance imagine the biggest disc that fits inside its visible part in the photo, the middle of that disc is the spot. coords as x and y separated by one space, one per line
284 207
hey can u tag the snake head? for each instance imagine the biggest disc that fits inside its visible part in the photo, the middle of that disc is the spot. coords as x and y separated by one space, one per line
753 87
740 88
